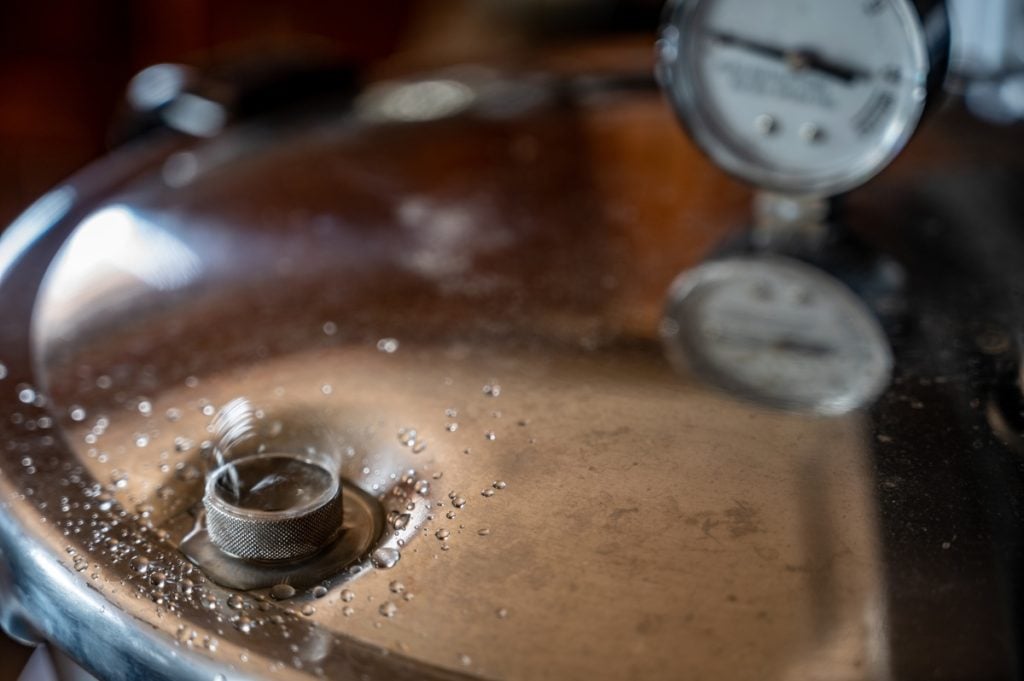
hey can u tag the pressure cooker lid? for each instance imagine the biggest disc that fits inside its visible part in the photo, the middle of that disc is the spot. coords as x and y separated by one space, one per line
440 328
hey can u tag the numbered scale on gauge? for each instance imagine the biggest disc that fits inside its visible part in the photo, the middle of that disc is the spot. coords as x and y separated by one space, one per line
777 331
805 97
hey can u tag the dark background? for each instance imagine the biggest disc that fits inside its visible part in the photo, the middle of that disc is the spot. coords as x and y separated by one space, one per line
64 65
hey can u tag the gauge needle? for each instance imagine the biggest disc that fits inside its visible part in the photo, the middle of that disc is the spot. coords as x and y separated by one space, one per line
797 60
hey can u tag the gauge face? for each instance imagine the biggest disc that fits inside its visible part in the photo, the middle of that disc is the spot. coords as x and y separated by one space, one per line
777 331
801 96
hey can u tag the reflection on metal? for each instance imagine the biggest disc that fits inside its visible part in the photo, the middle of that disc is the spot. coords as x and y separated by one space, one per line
443 236
157 85
195 115
423 100
114 256
180 169
777 331
784 221
119 238
33 223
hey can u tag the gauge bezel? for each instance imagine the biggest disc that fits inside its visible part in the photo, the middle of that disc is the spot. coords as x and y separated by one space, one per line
927 19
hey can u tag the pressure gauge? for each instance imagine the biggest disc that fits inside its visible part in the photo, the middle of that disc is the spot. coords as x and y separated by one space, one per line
802 96
776 331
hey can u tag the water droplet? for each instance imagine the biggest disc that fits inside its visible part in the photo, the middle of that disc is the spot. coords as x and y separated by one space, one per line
80 564
499 484
407 436
465 660
385 557
401 521
145 407
119 478
319 591
104 382
139 564
483 531
141 440
388 609
445 546
27 395
330 328
423 487
451 427
3 371
173 414
388 345
487 493
236 602
243 623
419 447
459 502
490 435
282 592
450 515
347 596
442 533
191 382
185 586
77 413
347 611
308 609
158 579
502 613
396 587
326 388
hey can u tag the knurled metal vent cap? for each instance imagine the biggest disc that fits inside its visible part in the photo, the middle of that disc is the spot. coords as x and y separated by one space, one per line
273 507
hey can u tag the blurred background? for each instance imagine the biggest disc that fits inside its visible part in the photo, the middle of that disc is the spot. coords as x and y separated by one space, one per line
64 64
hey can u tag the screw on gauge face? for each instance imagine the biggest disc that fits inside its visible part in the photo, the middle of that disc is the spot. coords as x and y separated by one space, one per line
812 133
766 124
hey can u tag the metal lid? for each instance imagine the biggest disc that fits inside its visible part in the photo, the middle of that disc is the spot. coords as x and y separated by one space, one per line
461 313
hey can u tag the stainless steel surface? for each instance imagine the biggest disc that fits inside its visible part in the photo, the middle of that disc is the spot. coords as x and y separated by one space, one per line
493 282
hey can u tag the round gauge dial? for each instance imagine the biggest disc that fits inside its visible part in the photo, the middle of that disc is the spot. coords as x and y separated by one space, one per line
777 331
801 96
